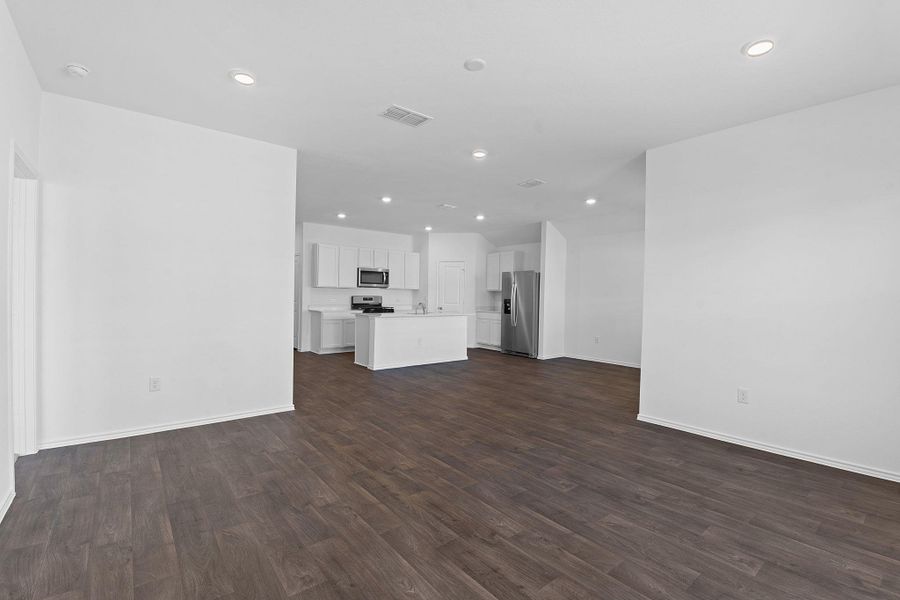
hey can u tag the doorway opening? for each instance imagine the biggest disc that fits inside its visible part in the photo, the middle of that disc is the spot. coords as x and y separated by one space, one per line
23 304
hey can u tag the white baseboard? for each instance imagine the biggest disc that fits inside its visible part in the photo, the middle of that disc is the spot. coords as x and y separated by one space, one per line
814 458
486 347
606 361
112 435
6 503
383 367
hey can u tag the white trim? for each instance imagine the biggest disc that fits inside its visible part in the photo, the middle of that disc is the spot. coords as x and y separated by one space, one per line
382 367
112 435
815 458
7 503
342 349
487 347
620 363
550 356
23 305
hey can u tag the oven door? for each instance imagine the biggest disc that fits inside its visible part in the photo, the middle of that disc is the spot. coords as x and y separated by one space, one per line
367 277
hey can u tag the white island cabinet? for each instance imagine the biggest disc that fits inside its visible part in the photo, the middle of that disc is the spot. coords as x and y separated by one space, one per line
388 341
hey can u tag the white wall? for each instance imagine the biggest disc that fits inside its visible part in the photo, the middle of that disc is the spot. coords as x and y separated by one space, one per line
168 251
471 248
604 294
20 102
772 254
552 337
314 233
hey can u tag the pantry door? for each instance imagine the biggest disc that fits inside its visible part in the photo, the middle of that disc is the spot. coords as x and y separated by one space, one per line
452 286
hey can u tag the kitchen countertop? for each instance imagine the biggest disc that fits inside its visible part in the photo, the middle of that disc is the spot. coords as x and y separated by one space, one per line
335 312
409 315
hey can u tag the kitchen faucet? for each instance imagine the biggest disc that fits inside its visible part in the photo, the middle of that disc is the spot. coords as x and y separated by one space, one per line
424 310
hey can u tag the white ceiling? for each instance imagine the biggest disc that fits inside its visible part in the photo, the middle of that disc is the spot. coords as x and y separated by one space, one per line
573 93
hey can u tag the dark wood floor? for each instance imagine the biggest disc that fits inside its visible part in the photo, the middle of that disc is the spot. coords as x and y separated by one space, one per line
496 478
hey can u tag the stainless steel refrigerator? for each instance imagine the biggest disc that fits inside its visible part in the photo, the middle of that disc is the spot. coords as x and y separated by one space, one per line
519 318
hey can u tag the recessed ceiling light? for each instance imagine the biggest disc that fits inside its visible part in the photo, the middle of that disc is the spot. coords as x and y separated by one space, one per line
475 64
479 217
591 201
76 70
479 154
758 48
243 77
428 228
341 216
386 199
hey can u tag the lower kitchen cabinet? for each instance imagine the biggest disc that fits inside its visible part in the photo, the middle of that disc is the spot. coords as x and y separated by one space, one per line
349 332
487 329
332 332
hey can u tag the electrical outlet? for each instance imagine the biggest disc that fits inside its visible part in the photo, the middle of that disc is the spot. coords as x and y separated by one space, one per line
596 339
743 396
155 384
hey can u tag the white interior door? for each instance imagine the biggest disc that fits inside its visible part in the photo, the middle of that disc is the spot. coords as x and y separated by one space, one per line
452 286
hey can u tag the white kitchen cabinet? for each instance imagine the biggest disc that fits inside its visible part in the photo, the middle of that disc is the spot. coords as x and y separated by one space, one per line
487 329
332 333
499 263
366 257
397 266
411 270
326 259
495 333
349 260
482 331
380 258
336 266
349 332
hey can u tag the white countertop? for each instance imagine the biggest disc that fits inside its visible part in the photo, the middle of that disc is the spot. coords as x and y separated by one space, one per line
409 315
336 312
487 309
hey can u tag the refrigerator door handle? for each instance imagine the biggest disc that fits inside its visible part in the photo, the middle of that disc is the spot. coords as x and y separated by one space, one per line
515 304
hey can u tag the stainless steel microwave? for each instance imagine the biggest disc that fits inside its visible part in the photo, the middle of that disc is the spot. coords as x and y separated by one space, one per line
370 277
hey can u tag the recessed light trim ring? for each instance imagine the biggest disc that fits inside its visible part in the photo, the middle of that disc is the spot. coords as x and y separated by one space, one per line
758 48
242 77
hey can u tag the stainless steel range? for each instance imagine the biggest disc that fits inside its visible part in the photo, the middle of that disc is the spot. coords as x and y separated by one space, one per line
369 304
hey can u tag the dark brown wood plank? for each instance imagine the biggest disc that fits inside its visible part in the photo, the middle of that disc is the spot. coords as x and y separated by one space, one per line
495 478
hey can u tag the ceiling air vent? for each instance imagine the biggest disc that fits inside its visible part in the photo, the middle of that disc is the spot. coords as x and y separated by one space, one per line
530 183
405 116
447 206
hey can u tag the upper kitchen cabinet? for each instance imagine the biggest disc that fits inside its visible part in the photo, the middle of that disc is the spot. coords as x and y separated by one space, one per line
499 263
411 270
325 265
397 266
349 260
335 266
366 257
380 259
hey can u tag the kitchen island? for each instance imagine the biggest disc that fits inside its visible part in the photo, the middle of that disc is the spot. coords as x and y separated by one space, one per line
392 340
